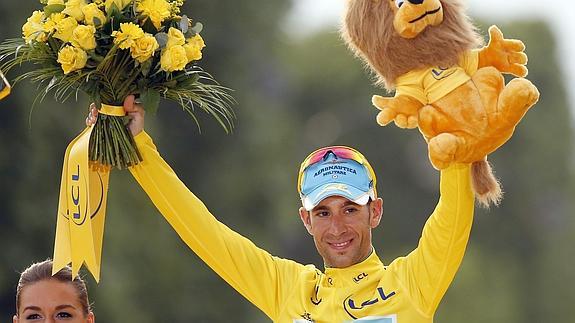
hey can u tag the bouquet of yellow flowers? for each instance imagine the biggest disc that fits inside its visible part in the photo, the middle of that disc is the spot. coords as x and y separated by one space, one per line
110 49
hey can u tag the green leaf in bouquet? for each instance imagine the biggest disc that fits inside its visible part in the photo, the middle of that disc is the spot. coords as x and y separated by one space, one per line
198 27
162 39
53 8
54 44
194 78
112 25
97 21
91 88
104 37
134 8
148 25
142 85
102 51
204 94
151 100
147 67
51 84
188 79
95 56
114 11
170 84
96 99
185 79
184 24
170 23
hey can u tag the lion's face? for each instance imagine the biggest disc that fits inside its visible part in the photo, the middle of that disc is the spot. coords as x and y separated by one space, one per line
413 16
396 36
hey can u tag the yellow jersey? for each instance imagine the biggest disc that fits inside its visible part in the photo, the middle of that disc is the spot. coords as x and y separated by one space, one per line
431 84
406 291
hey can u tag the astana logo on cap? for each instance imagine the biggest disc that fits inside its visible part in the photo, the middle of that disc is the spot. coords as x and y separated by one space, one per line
335 169
336 177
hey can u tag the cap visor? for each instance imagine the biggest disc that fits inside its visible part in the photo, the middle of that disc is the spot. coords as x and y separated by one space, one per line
333 189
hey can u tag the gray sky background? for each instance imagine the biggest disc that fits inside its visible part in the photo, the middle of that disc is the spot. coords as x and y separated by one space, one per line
309 15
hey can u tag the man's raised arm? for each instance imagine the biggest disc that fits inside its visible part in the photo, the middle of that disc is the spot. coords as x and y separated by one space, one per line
263 279
428 271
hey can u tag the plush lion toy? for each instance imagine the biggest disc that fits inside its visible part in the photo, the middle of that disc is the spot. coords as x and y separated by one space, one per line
428 51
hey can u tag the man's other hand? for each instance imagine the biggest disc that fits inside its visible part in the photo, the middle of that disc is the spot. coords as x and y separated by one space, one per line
134 110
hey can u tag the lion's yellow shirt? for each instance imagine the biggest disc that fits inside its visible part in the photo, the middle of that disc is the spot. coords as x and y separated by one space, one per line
431 84
407 291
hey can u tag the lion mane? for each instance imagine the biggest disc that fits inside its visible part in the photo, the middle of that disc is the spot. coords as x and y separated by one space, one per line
368 30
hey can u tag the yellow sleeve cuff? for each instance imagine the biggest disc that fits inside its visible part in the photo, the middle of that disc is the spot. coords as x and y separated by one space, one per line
142 138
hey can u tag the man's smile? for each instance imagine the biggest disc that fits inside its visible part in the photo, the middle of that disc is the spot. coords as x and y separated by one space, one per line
340 245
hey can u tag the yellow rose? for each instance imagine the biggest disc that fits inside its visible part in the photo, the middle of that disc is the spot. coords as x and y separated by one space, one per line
128 33
64 28
74 9
173 59
175 37
194 48
33 29
92 11
52 22
72 58
144 48
83 37
156 10
121 4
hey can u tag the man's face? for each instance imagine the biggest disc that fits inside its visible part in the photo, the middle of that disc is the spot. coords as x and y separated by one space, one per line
341 229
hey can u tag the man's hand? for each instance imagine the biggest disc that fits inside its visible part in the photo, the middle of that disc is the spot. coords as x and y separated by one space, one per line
134 111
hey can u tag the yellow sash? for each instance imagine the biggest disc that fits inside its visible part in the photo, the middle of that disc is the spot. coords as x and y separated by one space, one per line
81 210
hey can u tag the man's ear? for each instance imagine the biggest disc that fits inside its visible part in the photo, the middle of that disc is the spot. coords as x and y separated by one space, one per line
15 319
305 217
91 318
376 211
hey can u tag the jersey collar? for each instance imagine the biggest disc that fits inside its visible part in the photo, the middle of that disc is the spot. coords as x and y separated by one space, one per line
356 274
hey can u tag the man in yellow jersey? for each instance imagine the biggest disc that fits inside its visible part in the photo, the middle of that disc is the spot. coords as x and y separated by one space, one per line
340 207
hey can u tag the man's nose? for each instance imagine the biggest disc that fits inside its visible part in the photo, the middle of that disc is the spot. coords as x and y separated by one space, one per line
338 225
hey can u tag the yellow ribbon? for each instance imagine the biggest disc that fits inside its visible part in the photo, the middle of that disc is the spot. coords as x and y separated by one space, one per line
81 210
113 110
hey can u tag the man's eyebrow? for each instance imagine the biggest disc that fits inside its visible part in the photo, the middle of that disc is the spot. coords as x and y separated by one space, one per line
319 207
348 202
